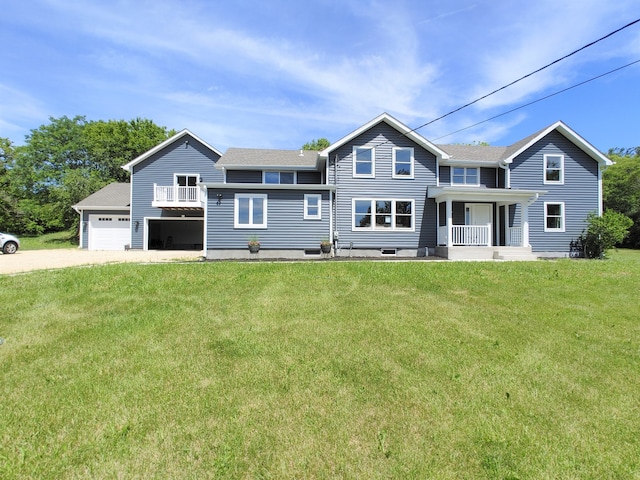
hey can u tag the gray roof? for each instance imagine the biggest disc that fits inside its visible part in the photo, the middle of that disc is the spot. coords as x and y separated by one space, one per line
475 152
116 195
260 158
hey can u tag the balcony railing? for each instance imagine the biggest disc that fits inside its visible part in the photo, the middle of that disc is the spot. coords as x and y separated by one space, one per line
174 196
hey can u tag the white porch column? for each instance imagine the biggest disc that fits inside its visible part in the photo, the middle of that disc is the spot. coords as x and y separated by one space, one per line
524 219
449 221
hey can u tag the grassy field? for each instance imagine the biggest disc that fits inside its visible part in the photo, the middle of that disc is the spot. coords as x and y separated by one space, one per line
323 370
49 241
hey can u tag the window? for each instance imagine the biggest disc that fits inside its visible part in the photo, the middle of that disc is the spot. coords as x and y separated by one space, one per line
465 176
250 211
312 206
382 214
402 162
554 217
186 180
285 178
553 169
364 162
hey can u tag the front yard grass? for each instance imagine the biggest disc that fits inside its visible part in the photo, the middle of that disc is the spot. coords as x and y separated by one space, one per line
323 370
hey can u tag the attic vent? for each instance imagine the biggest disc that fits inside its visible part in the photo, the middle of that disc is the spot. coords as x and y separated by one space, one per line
301 153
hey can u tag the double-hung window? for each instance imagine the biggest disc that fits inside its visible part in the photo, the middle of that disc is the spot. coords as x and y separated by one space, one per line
553 217
465 176
364 162
250 210
554 169
285 178
402 162
312 206
383 214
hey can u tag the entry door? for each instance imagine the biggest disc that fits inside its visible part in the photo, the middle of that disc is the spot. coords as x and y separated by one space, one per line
479 214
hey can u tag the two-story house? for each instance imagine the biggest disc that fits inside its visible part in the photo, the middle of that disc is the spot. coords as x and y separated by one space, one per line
382 190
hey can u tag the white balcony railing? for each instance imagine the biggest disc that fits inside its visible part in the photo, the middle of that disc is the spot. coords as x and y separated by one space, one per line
175 196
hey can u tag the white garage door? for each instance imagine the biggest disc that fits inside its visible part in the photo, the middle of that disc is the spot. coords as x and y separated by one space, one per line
109 232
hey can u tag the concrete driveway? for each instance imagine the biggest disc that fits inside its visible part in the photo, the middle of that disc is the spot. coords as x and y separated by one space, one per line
30 260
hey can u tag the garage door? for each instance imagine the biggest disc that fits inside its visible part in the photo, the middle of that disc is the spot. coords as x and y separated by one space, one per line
109 232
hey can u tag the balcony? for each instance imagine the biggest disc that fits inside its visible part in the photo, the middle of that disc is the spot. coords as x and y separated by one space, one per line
175 197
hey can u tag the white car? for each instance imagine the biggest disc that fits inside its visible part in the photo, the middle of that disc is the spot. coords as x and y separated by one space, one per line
8 243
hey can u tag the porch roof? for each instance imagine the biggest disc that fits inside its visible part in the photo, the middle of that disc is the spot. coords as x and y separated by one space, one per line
442 194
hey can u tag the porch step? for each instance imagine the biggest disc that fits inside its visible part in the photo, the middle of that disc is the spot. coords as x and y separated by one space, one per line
514 253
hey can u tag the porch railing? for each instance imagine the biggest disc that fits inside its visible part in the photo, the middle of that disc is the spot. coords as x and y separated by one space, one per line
174 194
476 235
466 235
515 236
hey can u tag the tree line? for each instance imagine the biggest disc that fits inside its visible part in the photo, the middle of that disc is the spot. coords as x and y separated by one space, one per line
68 159
63 162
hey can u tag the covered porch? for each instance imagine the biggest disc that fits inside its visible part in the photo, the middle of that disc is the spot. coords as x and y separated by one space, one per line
483 223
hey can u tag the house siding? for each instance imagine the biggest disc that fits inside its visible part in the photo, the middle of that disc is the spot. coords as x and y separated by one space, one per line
578 193
286 227
383 138
244 176
178 157
487 176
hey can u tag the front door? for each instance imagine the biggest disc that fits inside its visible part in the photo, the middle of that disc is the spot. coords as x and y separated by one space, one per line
479 214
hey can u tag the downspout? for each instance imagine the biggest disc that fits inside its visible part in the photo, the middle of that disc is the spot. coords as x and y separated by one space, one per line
335 234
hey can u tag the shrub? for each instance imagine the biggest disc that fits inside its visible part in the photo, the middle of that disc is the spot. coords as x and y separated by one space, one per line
604 232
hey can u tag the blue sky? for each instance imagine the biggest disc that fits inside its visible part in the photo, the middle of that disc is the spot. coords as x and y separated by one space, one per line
276 74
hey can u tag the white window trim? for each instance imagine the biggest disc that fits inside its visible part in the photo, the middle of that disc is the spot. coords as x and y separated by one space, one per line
411 164
307 196
465 183
279 172
373 162
563 215
544 170
236 210
373 228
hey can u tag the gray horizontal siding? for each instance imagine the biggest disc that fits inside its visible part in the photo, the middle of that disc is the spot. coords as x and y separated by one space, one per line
383 138
579 192
178 157
487 176
255 176
286 226
244 176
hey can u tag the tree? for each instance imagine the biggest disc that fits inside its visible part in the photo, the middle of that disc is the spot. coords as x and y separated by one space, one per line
621 189
319 144
7 202
67 159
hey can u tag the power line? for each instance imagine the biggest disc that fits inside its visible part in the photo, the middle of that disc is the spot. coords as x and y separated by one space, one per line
527 75
539 99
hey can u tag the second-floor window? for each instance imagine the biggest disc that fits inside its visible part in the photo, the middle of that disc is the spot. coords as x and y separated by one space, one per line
402 162
554 169
285 178
364 162
465 176
188 180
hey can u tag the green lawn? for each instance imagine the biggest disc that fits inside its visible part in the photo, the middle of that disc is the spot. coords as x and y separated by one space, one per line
323 370
49 241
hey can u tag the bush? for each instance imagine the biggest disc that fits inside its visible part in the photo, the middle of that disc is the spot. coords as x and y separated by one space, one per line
604 232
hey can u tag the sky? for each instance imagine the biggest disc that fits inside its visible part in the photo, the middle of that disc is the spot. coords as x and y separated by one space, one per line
277 74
